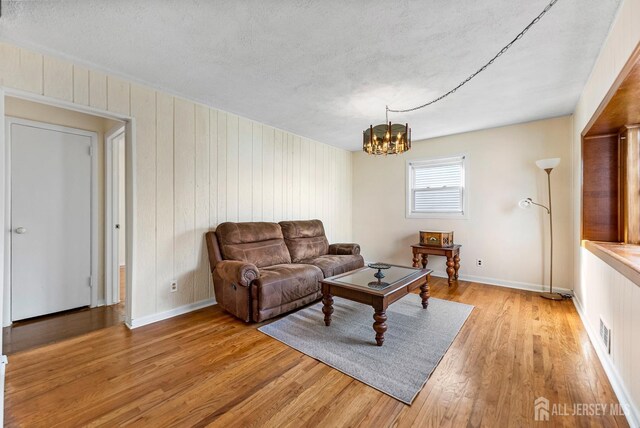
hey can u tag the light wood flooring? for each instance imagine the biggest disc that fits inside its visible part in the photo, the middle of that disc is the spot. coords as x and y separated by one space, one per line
207 368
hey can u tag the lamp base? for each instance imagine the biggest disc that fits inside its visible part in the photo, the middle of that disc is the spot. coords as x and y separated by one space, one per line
552 296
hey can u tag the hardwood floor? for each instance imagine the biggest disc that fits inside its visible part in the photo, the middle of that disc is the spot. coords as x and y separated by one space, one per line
207 368
36 332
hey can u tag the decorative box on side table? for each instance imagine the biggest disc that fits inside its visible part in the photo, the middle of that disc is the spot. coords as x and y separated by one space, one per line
436 238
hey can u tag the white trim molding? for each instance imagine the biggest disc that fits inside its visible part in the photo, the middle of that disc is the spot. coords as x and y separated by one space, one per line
527 286
181 310
111 218
4 361
67 105
632 413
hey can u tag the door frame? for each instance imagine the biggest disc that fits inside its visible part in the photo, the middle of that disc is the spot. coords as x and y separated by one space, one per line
112 234
130 190
93 236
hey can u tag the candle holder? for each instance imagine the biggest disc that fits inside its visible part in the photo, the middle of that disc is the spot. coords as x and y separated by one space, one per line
378 285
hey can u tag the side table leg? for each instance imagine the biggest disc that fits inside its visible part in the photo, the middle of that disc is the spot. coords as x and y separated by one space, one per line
424 294
415 259
425 260
450 270
380 326
456 260
327 308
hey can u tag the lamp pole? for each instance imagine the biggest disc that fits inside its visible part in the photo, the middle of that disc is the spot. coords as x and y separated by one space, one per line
550 295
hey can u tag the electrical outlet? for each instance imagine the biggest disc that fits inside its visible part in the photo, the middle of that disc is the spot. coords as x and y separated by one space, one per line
174 286
479 262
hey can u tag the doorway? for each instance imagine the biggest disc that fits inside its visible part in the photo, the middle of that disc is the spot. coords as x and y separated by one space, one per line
105 306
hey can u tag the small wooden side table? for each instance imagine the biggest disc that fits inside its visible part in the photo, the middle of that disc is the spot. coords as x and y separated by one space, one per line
452 253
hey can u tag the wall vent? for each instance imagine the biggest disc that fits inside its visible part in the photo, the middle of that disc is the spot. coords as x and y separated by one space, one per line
605 336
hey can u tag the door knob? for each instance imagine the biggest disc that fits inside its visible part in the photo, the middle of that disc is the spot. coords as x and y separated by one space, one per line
21 230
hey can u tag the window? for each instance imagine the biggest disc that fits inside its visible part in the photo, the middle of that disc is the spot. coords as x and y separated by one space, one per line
436 188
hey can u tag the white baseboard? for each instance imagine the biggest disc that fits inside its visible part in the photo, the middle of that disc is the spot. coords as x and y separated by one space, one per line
504 283
150 319
3 370
631 412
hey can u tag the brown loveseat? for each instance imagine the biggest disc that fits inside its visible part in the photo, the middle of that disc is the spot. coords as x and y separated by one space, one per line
261 270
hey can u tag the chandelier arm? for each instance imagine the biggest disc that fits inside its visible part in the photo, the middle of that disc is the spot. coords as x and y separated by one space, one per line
484 67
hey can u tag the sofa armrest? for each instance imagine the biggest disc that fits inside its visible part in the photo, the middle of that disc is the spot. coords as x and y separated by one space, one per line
237 272
344 249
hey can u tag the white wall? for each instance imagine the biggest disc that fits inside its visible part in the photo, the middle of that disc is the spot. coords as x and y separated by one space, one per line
196 167
623 38
511 242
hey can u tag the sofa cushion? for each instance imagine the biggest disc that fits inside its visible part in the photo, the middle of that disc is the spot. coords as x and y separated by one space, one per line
282 284
259 243
305 239
335 265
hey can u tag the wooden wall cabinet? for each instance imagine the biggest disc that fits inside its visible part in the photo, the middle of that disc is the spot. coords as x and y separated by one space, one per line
601 217
611 187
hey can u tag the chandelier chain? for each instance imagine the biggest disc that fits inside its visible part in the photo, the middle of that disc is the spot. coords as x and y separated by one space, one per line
484 67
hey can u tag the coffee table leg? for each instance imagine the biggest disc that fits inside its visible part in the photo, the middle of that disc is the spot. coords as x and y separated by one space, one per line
424 293
380 326
327 308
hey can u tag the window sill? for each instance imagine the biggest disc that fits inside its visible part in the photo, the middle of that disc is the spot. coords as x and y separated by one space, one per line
625 258
443 216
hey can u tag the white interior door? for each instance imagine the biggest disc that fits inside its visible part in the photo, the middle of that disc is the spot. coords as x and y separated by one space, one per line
50 220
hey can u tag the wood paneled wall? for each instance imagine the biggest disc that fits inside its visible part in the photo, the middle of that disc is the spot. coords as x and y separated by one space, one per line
196 167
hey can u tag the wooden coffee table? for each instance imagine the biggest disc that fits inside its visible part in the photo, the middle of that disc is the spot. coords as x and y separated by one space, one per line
361 286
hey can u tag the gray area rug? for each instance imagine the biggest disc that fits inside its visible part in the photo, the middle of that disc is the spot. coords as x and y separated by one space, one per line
415 341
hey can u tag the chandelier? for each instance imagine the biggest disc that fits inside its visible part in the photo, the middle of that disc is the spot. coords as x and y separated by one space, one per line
386 138
394 138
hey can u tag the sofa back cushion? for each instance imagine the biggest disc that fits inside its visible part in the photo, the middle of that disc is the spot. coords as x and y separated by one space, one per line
259 243
305 239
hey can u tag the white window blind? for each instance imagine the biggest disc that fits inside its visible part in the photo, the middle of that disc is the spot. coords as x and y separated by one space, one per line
437 186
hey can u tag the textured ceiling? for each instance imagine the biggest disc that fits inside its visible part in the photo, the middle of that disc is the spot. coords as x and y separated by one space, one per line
326 69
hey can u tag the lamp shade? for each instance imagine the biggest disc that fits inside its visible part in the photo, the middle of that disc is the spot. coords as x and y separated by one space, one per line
548 163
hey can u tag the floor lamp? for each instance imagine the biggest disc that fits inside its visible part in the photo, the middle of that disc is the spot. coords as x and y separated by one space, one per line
547 165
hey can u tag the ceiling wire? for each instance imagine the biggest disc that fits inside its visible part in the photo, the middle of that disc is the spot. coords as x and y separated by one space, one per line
481 69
